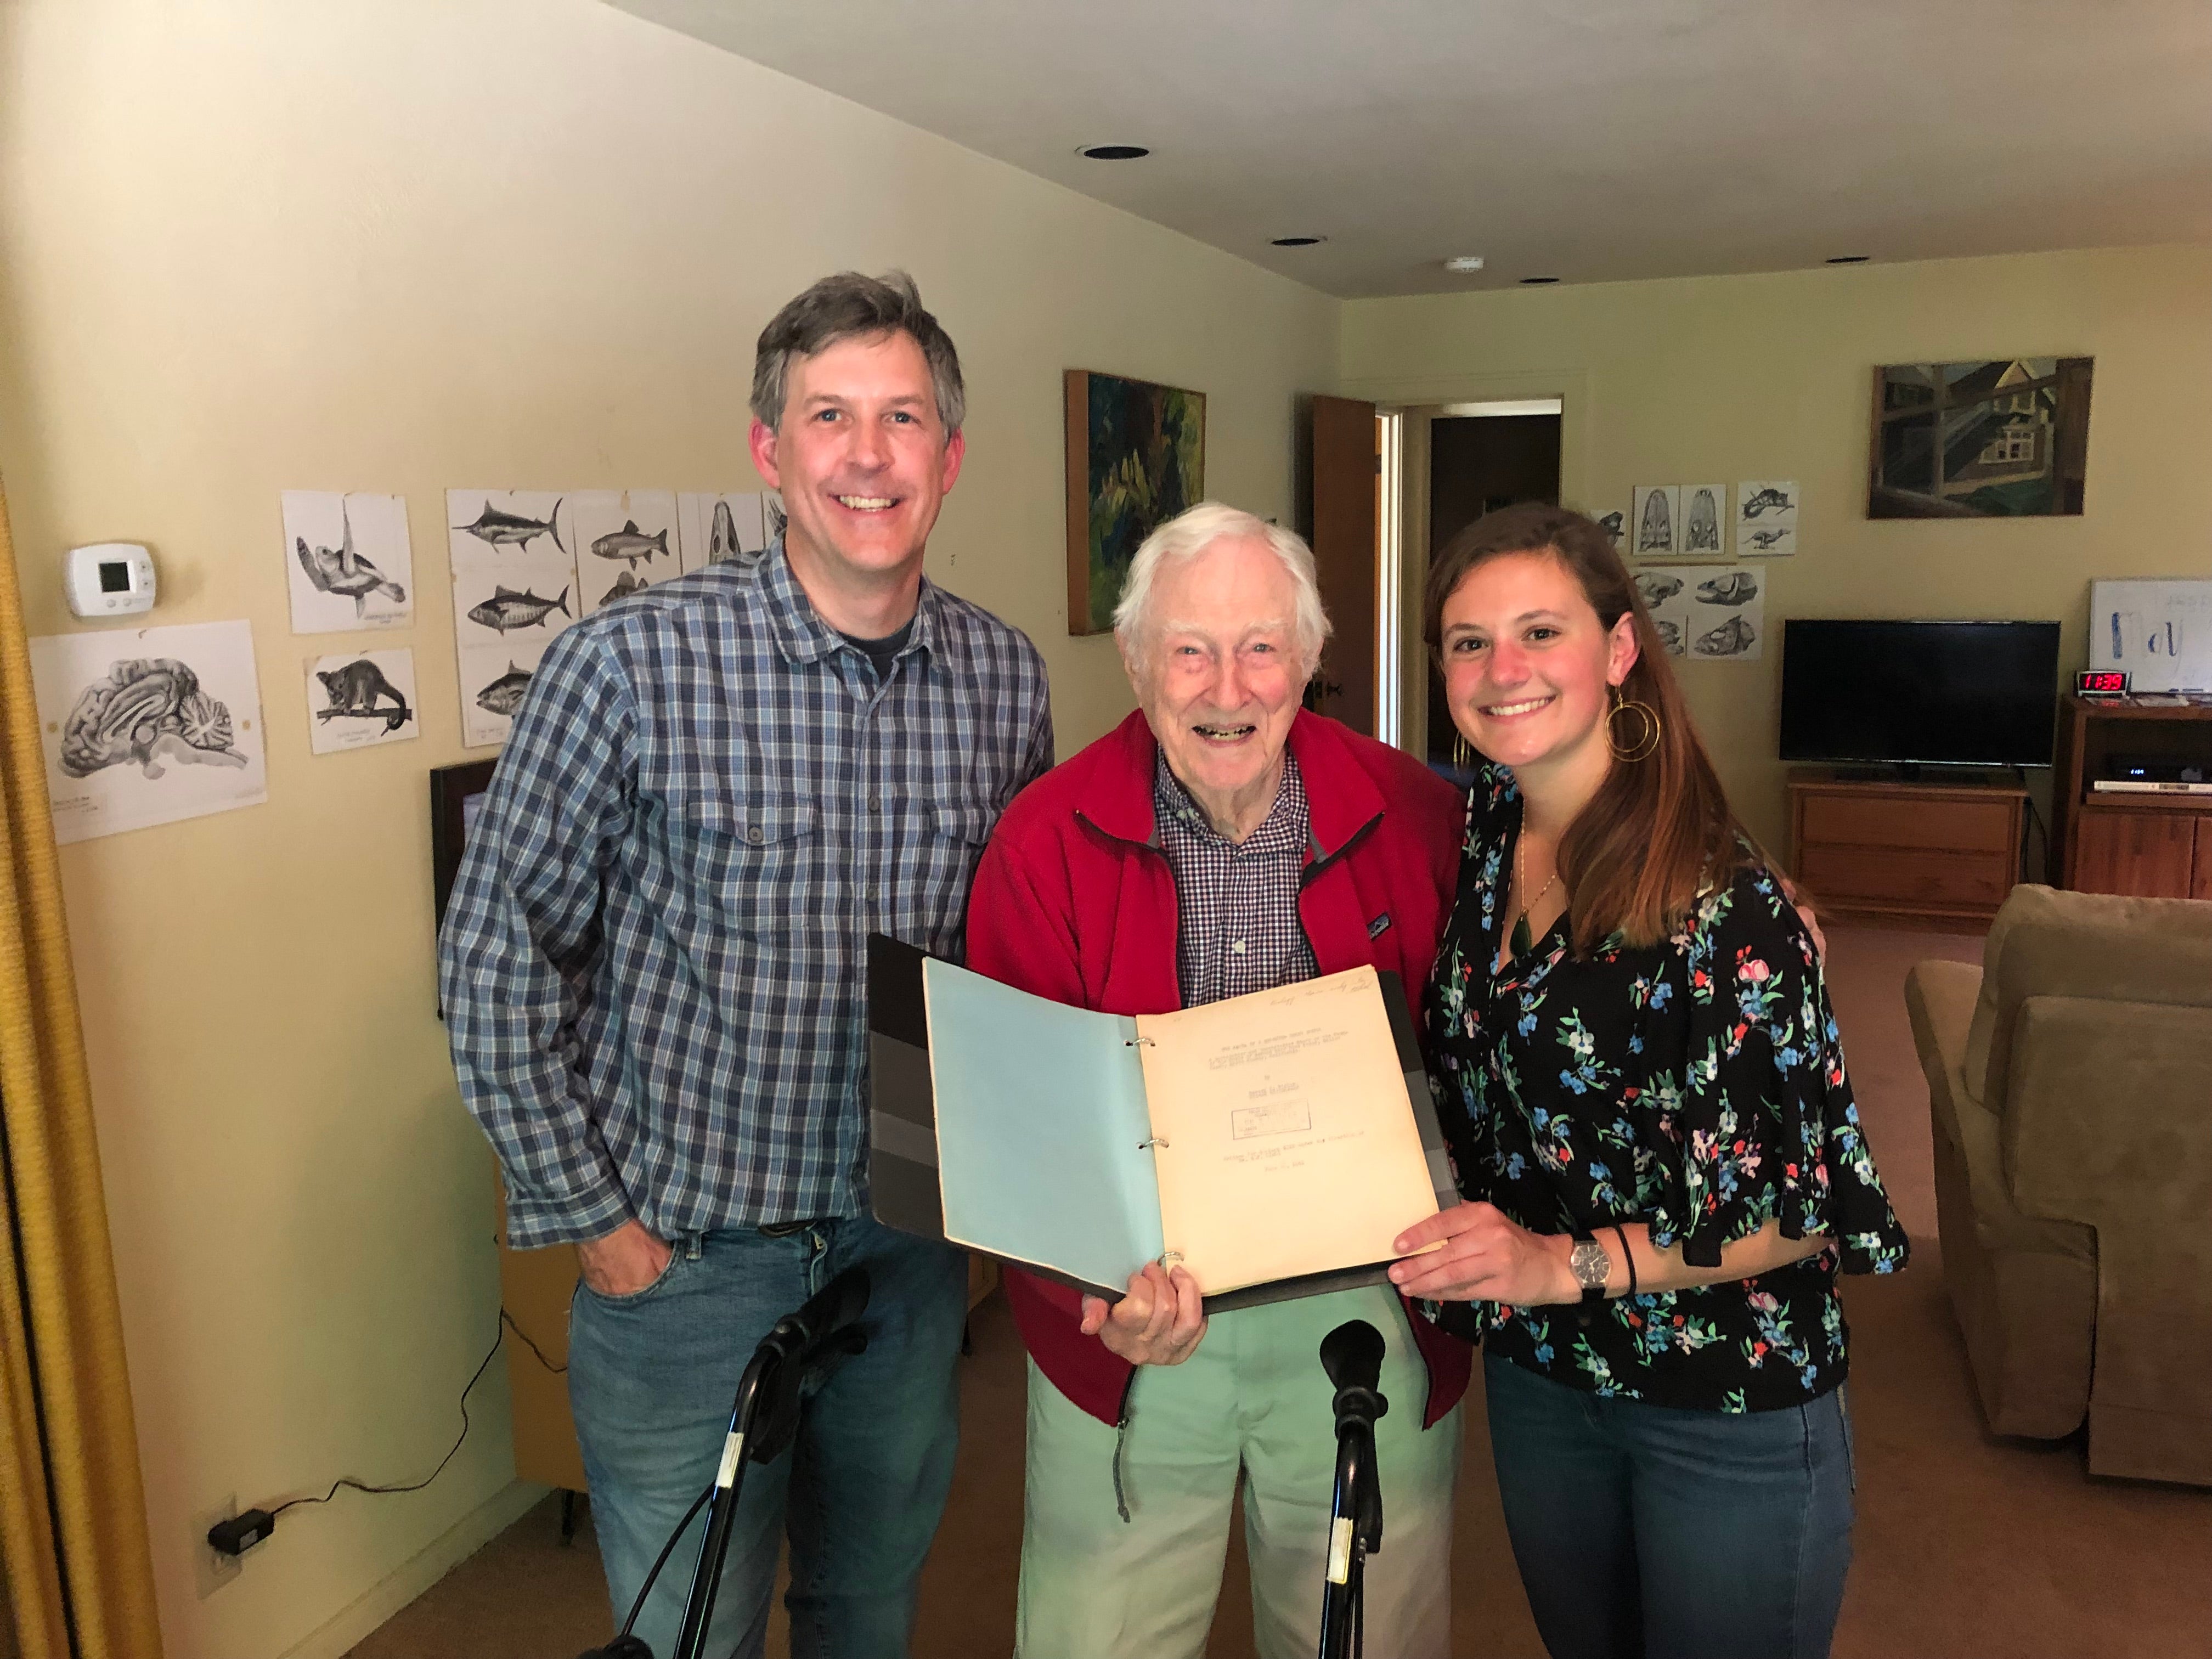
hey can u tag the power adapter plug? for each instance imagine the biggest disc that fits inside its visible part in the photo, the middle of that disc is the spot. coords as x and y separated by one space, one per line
241 1533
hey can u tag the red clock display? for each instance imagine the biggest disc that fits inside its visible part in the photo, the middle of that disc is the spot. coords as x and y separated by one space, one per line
2107 681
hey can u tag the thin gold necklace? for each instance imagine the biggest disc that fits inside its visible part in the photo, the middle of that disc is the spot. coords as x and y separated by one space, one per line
1522 942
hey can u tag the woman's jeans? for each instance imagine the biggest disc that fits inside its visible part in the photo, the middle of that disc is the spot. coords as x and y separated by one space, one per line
1647 1532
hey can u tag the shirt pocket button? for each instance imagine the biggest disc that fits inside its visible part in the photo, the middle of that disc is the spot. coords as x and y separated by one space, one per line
756 835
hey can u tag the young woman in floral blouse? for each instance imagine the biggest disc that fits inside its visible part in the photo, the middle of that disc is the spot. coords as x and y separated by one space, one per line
1663 1167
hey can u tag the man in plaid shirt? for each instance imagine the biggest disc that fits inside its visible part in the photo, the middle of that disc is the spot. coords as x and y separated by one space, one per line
653 973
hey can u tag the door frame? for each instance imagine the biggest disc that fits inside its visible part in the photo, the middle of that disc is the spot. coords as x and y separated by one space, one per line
1405 406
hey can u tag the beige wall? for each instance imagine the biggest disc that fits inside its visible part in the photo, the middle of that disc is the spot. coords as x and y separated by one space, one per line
361 244
1728 378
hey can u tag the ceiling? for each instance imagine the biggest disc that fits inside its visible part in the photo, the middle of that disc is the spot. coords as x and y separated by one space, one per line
1588 140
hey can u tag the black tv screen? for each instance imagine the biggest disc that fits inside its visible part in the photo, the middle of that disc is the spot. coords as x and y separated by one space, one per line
1936 693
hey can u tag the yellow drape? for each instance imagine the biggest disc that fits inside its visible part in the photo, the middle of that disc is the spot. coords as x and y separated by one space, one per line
72 1510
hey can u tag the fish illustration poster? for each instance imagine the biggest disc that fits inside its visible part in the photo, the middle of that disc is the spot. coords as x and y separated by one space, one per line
494 678
147 726
513 553
625 539
1710 611
1765 518
348 561
360 699
715 529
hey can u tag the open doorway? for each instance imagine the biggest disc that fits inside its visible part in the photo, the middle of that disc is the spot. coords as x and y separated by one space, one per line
1459 462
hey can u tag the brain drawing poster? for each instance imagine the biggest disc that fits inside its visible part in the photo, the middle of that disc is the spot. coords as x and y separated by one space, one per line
147 726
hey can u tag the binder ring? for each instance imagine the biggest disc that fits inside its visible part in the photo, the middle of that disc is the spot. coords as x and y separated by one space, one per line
1133 1042
1166 1256
1150 1141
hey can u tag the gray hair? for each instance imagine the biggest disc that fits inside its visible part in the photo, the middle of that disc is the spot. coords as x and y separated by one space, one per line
847 307
1188 534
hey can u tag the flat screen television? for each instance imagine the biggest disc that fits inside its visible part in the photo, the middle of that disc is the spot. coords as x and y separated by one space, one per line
1924 692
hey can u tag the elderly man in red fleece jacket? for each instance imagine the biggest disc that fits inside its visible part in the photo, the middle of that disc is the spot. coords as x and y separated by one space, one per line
1220 840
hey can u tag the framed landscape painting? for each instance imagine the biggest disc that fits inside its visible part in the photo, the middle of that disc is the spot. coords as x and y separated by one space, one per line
1136 456
2008 438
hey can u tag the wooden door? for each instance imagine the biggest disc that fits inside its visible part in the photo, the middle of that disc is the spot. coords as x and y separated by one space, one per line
1343 470
2149 854
2201 884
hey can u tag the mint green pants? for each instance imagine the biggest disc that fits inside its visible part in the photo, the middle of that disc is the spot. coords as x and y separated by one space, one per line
1252 1403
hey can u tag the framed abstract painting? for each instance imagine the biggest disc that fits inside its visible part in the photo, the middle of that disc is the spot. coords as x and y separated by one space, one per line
1136 456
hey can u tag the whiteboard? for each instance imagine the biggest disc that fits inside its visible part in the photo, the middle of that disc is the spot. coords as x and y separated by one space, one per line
2160 632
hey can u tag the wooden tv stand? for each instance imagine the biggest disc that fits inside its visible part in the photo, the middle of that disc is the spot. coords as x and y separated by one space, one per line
1916 854
2154 846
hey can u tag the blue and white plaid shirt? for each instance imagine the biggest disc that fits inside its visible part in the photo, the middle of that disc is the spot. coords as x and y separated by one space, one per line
654 964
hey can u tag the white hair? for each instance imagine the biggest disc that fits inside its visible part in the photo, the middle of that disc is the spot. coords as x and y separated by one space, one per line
1188 534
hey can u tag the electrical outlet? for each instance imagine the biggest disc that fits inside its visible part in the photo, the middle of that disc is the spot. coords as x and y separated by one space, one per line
213 1569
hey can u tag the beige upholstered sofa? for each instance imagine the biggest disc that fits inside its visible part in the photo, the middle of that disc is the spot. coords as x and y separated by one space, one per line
2070 1078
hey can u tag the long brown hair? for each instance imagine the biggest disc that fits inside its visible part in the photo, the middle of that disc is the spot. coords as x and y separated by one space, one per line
1660 830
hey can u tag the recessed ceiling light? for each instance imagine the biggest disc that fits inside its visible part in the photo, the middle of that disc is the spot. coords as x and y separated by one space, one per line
1113 152
1850 258
1537 281
1464 264
1295 241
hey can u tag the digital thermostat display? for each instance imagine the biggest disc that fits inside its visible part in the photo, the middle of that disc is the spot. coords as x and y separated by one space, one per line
109 579
2100 682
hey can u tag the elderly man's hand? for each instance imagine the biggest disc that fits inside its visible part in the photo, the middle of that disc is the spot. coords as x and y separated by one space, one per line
1804 908
1158 1322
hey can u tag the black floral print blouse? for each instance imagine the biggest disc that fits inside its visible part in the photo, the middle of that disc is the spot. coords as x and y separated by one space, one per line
1697 1087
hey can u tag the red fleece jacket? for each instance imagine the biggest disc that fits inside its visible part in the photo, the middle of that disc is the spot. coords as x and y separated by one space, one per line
1074 901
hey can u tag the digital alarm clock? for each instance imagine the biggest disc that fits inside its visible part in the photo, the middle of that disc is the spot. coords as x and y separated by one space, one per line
2101 682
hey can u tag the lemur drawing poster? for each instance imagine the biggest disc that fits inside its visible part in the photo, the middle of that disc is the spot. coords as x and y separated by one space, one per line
360 699
348 561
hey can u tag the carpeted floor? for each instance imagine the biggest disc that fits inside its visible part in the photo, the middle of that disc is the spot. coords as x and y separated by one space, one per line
1967 1544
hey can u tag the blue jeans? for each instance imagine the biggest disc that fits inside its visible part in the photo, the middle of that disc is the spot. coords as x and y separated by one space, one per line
1645 1531
651 1379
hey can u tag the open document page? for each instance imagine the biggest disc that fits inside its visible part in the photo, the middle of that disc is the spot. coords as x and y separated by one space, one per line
1041 1130
1288 1142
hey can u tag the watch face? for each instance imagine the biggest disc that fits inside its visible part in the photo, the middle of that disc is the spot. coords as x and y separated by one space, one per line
1591 1265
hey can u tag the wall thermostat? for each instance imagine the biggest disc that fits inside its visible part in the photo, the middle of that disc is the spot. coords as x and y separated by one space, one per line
110 579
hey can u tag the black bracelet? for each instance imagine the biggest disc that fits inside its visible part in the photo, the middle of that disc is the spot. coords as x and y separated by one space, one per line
1627 1256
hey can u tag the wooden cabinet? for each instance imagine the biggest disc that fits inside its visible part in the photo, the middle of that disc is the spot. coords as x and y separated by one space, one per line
2152 854
1905 851
2152 846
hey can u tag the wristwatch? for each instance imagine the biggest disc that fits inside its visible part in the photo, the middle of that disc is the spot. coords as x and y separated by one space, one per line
1592 1267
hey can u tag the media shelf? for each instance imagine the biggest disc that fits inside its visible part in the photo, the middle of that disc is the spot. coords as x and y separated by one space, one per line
2153 846
1912 854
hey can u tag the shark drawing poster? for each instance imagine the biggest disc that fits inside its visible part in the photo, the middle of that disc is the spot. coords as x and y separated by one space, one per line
625 539
1765 518
348 561
360 699
720 529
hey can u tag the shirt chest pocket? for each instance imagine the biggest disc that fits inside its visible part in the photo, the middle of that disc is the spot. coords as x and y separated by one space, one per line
932 892
755 860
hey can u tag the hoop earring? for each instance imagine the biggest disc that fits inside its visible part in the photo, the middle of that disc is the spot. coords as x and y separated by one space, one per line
1462 752
1647 734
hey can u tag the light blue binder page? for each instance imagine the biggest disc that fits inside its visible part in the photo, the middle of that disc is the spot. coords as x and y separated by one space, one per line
1041 1120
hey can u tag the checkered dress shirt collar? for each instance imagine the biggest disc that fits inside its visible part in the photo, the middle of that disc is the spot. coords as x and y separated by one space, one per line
1238 928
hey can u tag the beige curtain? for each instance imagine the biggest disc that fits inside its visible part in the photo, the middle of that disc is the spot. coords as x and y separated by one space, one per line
72 1511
